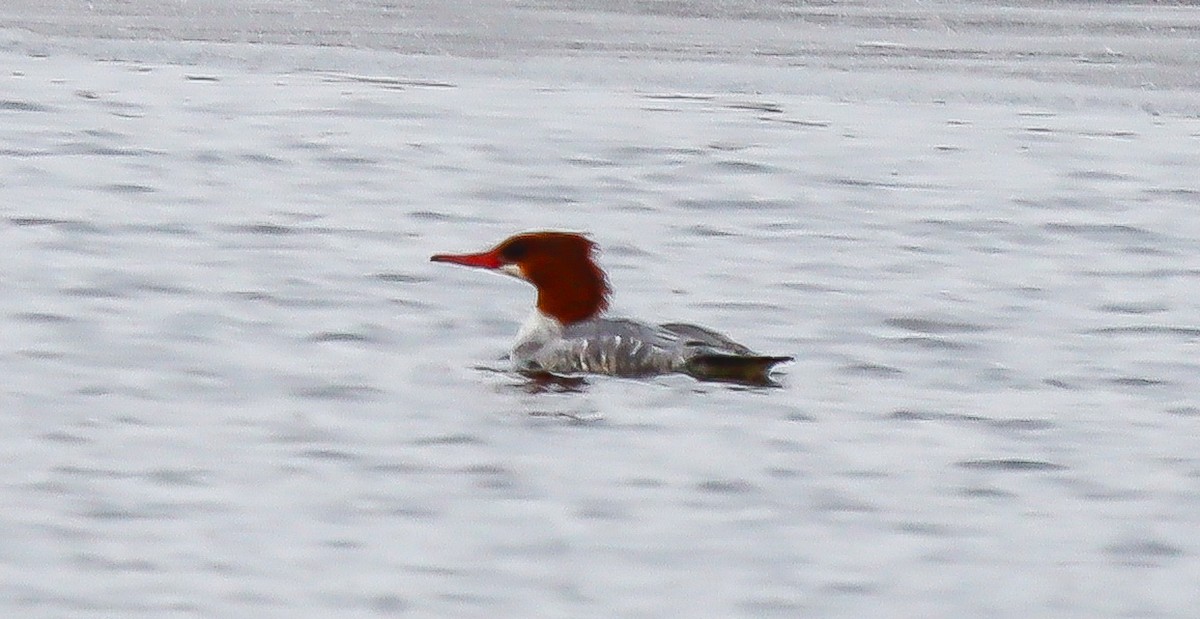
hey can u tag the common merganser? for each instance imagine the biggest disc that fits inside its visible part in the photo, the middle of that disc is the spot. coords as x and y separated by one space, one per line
565 334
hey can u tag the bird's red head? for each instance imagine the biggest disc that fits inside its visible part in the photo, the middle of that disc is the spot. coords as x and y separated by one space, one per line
570 286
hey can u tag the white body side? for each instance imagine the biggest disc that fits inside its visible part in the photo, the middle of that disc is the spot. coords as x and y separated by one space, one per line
613 346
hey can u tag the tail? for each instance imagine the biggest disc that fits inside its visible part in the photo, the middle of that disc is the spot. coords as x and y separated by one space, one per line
744 369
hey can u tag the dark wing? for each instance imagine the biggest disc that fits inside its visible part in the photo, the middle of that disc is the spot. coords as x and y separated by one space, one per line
712 356
694 336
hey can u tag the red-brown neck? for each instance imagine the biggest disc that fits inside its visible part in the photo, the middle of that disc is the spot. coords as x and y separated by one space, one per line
573 298
571 287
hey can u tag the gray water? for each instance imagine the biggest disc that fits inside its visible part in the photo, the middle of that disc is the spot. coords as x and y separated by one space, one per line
236 387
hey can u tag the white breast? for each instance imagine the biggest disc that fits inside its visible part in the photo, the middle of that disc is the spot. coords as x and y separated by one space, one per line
537 331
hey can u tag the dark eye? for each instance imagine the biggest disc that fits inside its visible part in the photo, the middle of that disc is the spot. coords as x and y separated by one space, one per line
515 251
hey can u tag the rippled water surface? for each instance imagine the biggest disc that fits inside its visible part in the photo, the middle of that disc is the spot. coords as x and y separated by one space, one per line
235 386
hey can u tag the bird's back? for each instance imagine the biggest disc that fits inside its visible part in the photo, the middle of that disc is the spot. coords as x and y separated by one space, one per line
624 347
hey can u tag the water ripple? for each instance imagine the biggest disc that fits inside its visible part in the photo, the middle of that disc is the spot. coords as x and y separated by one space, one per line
1105 232
1188 332
342 392
1143 552
9 105
934 326
1011 464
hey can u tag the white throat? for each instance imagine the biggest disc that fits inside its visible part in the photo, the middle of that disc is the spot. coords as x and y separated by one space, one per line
514 270
537 331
